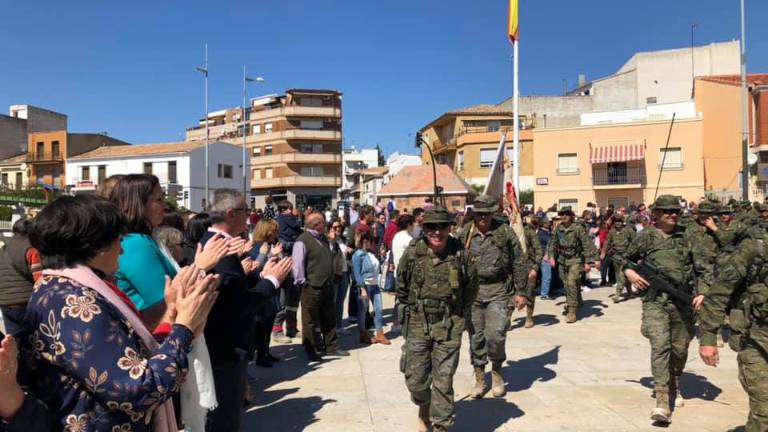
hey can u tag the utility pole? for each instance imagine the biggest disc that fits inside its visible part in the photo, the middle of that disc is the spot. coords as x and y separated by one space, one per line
204 71
744 121
246 80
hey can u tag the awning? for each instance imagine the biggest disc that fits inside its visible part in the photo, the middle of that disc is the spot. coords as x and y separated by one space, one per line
616 153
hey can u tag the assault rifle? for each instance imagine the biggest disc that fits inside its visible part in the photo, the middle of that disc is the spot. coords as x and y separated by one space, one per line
658 282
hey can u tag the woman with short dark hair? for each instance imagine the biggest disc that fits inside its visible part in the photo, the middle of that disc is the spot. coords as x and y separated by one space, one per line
93 361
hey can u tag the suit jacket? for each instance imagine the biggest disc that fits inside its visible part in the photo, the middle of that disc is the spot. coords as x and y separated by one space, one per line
230 323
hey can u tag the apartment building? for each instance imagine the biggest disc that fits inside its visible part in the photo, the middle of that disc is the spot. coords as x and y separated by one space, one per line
353 163
180 168
467 141
48 151
23 120
293 144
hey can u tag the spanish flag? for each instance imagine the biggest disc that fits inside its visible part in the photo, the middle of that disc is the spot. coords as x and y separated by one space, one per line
512 22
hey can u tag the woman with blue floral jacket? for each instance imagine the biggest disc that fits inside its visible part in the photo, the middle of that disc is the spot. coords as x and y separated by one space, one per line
90 358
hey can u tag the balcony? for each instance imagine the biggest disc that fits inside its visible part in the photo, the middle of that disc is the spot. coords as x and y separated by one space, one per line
297 181
300 111
330 158
618 177
44 157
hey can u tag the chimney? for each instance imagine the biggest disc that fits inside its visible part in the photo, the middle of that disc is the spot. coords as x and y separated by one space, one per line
582 80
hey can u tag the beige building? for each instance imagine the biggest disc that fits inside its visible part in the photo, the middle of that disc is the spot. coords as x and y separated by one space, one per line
293 143
14 172
619 157
467 141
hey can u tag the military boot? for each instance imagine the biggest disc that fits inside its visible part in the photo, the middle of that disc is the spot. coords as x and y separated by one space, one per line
422 424
674 392
479 390
571 317
661 413
618 296
497 381
528 317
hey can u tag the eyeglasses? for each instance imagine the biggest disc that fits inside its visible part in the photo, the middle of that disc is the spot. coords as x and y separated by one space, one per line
436 227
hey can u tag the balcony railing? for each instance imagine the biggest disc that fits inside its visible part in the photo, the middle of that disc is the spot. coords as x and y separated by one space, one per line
617 176
44 157
324 181
296 158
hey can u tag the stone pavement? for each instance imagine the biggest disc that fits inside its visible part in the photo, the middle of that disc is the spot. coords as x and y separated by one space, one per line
593 375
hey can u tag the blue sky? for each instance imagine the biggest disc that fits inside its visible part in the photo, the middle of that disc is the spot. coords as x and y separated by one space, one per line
128 67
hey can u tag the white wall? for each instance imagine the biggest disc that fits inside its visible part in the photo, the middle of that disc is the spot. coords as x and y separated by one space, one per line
657 112
397 161
218 153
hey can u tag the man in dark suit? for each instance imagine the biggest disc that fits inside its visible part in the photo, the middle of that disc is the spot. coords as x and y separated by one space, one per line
241 296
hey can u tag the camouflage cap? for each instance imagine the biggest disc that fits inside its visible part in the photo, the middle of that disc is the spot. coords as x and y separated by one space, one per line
436 215
761 207
566 211
666 202
706 208
618 219
485 204
745 204
725 209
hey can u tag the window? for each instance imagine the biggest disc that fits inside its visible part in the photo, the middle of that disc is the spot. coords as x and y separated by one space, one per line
40 178
311 124
673 159
267 150
56 177
456 203
268 173
312 171
40 150
311 148
5 179
268 128
567 163
569 202
171 172
85 173
18 180
225 171
311 101
257 174
102 173
55 150
257 150
256 129
461 161
147 167
486 157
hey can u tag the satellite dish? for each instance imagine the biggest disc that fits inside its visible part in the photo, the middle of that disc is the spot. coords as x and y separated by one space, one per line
752 159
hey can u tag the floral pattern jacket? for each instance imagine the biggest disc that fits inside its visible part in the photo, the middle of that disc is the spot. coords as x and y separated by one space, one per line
90 367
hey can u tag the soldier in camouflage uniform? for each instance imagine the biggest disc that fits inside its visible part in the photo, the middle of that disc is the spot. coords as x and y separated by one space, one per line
742 287
572 250
616 245
703 231
728 230
535 253
667 323
436 284
501 276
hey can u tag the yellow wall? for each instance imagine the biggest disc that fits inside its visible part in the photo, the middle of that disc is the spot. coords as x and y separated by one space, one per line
720 105
686 182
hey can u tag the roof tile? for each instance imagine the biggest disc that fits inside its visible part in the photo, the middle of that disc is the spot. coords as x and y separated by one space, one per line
417 180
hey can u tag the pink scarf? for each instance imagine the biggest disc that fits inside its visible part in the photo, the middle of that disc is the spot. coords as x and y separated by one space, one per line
163 418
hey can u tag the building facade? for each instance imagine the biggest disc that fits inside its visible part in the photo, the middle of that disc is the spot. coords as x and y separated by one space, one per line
293 144
23 120
414 184
180 168
14 172
353 162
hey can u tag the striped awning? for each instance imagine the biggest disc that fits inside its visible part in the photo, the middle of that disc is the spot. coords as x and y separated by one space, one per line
616 153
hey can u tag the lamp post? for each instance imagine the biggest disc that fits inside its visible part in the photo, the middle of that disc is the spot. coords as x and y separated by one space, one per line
204 71
744 121
246 80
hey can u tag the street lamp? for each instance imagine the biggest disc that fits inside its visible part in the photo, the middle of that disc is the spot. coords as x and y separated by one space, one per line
204 71
246 80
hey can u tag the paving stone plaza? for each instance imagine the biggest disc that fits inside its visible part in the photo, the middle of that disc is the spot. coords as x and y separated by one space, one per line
593 375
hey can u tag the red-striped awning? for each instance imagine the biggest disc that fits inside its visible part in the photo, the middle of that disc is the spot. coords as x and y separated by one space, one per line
616 153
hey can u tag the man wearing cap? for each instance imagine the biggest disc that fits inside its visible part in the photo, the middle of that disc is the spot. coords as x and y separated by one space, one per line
534 255
703 231
616 245
501 275
668 323
436 284
571 249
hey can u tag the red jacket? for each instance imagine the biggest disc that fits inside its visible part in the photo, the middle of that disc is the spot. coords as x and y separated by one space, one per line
389 234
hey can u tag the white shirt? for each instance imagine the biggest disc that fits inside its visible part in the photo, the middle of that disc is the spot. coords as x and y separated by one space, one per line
399 243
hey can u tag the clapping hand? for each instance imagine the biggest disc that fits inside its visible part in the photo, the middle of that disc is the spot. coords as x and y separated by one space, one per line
277 268
214 251
277 249
194 303
236 245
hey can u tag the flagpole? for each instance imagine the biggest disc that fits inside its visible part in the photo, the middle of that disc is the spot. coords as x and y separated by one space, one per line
516 119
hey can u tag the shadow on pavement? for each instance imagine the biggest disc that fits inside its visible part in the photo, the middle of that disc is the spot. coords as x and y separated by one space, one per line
543 320
484 414
591 308
522 374
693 386
268 409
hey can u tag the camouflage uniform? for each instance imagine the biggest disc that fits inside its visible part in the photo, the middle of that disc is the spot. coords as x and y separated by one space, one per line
616 246
707 242
742 286
433 292
669 324
729 234
571 248
533 262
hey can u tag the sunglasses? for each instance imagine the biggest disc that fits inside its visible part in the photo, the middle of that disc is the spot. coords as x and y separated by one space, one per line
436 227
336 227
677 212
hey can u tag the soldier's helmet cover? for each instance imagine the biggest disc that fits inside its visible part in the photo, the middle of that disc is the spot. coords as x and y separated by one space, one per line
666 202
706 208
485 204
436 215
